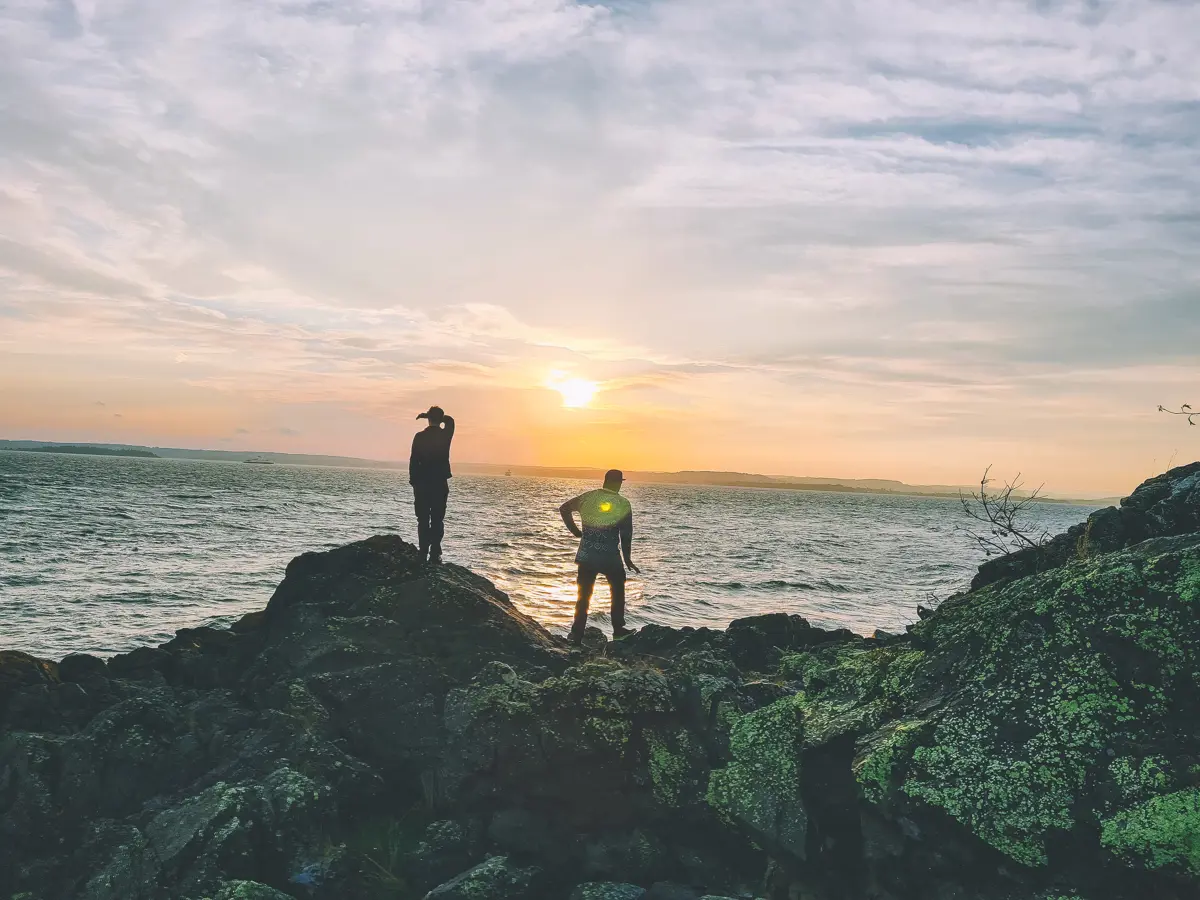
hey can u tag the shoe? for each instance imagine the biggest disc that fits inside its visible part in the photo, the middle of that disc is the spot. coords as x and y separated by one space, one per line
619 633
575 638
435 559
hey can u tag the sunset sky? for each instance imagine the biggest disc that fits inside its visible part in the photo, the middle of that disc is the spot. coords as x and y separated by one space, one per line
857 239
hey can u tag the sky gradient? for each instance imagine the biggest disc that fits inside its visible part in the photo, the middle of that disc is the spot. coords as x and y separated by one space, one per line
864 239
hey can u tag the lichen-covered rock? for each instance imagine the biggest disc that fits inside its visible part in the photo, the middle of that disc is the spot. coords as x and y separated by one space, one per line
248 890
1162 832
1164 506
131 869
760 788
1063 686
607 890
495 879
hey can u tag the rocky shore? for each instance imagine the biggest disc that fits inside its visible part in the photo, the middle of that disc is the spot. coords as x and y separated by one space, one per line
387 730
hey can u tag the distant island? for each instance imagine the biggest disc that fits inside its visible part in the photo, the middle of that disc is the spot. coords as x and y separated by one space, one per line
82 450
693 477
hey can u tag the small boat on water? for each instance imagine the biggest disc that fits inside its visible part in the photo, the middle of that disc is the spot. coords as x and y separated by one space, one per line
508 471
259 461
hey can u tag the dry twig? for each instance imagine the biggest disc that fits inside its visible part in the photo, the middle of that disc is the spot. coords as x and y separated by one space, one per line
1186 411
1001 513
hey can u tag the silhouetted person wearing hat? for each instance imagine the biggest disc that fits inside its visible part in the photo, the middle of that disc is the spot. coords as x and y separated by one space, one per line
429 475
605 542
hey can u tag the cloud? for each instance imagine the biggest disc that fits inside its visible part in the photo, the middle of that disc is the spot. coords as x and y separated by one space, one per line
352 203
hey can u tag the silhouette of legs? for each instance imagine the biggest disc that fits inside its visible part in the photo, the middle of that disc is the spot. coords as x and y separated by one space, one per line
587 584
430 503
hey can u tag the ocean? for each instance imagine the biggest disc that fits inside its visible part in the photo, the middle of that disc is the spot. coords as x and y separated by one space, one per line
104 554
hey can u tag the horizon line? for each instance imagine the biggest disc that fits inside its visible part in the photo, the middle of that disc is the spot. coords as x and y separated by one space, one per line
786 481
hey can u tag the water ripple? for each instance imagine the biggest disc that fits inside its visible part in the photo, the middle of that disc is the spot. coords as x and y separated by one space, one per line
102 554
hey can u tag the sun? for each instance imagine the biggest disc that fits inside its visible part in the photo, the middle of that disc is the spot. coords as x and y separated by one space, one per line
576 392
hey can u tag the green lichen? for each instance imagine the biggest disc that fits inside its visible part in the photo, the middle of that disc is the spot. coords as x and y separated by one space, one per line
1161 832
1049 675
1188 583
850 687
760 788
248 890
607 890
671 772
1140 779
1013 791
612 733
875 769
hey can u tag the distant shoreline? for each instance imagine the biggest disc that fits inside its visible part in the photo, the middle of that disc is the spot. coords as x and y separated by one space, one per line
78 450
885 487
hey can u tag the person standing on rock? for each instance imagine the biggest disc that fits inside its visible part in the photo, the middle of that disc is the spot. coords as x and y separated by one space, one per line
429 475
605 545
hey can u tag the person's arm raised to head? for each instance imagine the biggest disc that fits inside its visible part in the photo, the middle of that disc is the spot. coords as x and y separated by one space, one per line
448 426
626 532
567 511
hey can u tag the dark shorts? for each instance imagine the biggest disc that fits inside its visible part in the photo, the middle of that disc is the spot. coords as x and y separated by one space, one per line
614 573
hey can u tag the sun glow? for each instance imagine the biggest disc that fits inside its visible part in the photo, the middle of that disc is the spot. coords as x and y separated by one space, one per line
576 392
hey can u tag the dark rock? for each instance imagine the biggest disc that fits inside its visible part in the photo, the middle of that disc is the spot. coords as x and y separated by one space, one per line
757 643
81 668
144 662
638 855
520 831
594 639
448 847
20 672
662 642
248 890
666 890
126 865
764 693
607 890
358 604
495 879
1165 506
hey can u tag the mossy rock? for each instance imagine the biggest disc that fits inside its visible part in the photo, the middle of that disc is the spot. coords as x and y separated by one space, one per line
248 890
1059 701
1161 833
760 789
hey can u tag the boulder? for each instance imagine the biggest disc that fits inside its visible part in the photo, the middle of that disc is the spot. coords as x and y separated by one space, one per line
1164 506
497 878
22 672
82 667
607 890
248 890
373 601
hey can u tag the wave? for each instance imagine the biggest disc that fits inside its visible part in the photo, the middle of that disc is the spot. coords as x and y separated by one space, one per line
774 584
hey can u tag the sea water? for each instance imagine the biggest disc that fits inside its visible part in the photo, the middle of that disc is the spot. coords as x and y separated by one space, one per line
103 554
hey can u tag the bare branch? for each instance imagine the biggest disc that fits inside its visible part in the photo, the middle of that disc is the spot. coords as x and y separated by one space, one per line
1186 411
1001 513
